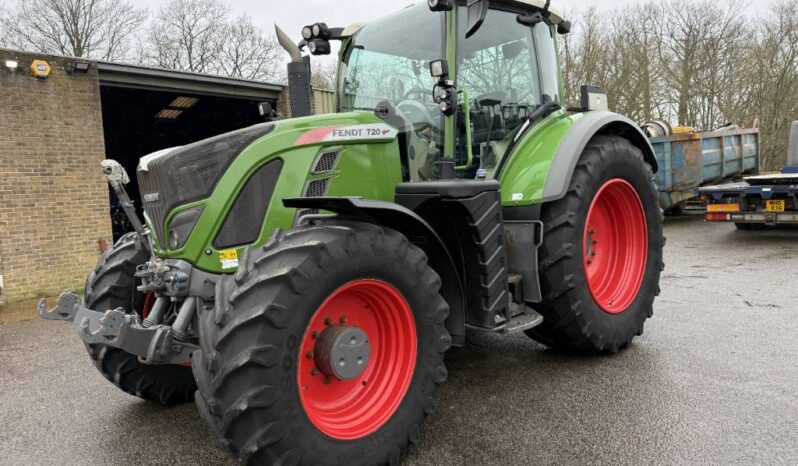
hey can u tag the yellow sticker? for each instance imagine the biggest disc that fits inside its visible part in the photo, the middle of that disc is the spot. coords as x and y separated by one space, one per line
229 259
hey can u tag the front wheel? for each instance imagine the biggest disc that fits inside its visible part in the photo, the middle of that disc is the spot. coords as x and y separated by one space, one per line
601 256
112 285
325 348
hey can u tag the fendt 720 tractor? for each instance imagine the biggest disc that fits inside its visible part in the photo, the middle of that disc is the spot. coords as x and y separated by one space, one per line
302 279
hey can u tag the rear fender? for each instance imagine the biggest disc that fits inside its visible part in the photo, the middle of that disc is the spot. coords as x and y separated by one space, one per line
542 163
418 231
576 140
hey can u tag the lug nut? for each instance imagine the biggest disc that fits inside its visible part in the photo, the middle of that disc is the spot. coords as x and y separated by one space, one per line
315 334
327 321
310 354
314 372
343 319
326 380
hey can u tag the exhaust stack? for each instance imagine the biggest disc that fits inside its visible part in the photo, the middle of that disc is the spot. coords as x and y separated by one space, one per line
299 88
792 154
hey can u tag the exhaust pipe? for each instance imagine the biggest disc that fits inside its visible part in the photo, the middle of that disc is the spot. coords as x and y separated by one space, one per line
299 88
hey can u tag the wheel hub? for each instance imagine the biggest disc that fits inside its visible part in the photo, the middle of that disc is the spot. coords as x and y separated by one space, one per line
342 352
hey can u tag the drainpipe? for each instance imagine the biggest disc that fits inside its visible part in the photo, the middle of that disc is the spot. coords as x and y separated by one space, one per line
299 89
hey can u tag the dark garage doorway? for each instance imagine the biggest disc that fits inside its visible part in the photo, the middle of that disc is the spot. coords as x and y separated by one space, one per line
142 115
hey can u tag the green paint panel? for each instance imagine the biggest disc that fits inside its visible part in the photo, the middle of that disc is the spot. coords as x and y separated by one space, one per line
523 178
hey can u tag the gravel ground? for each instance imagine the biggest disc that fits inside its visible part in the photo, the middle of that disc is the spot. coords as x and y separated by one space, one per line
714 380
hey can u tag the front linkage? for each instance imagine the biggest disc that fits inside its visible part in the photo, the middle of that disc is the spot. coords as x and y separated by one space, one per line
117 329
149 339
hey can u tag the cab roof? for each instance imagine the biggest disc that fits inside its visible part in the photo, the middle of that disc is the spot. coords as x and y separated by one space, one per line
555 16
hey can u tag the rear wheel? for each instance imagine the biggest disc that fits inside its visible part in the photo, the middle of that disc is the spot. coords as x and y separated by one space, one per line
326 347
601 257
112 285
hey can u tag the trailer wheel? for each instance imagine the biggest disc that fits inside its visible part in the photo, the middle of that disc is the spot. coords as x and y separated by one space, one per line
601 257
112 285
325 348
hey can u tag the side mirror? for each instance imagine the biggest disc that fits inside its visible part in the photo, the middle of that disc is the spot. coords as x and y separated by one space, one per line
265 109
477 12
439 69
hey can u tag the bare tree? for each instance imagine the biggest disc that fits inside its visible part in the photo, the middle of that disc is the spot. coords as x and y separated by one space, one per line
98 29
188 35
247 52
199 36
323 76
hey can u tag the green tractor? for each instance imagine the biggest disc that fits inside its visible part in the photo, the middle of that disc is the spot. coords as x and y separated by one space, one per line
302 279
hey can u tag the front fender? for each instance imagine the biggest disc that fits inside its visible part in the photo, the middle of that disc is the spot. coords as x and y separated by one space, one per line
541 166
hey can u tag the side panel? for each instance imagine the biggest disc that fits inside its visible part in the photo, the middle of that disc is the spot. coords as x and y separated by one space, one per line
541 165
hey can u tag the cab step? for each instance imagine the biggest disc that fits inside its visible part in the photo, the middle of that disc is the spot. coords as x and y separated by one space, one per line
529 319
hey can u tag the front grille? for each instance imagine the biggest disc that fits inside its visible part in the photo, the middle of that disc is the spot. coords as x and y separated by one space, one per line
153 204
190 173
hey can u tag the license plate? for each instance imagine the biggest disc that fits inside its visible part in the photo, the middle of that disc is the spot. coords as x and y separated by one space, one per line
723 208
775 206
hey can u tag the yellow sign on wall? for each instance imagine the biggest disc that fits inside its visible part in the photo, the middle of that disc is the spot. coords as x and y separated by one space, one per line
40 68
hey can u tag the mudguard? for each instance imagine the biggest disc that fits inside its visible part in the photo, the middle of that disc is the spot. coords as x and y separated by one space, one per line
581 133
408 223
542 162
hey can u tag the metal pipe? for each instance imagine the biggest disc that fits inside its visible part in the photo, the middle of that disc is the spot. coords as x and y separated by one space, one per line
157 312
184 317
288 45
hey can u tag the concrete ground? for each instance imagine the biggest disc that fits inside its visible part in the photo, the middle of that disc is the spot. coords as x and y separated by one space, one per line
714 380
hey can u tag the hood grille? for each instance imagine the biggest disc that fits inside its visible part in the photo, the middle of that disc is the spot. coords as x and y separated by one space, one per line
190 173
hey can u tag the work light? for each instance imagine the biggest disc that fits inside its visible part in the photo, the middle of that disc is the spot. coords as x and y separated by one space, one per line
321 31
307 33
440 5
319 47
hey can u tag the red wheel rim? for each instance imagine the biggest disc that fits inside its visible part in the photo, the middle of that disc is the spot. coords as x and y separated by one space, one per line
615 246
348 410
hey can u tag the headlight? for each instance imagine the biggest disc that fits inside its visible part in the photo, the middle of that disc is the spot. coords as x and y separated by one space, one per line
319 47
440 5
181 226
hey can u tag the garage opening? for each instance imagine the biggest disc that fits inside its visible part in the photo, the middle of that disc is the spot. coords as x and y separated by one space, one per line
147 110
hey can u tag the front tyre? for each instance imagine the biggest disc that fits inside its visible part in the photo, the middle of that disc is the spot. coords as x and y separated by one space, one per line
326 347
601 256
112 285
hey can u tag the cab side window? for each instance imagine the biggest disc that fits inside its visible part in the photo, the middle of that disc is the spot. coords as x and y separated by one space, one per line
498 69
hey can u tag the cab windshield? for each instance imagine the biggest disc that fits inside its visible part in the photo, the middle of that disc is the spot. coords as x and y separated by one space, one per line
388 63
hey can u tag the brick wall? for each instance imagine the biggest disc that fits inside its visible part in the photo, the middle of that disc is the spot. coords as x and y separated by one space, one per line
53 199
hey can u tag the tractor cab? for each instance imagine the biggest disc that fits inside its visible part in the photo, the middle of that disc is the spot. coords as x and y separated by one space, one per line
460 83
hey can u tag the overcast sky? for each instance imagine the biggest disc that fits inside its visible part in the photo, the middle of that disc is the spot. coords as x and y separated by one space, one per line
293 15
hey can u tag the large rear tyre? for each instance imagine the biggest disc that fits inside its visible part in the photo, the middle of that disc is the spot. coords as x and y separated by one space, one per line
112 285
601 256
326 348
